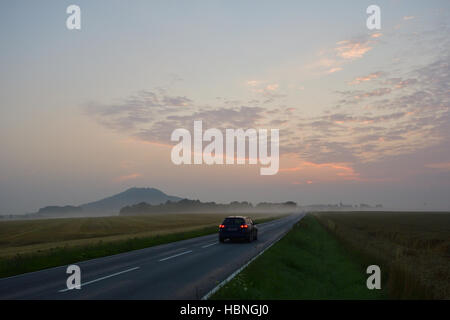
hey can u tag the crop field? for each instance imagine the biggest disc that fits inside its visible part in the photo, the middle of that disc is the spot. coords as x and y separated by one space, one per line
412 248
29 245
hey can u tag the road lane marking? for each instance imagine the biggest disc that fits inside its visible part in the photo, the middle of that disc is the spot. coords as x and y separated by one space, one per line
176 255
102 278
209 245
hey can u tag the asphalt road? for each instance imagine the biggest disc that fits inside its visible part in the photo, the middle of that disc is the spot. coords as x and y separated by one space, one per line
185 269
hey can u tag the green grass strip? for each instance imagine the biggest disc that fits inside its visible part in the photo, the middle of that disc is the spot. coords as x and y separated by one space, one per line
308 263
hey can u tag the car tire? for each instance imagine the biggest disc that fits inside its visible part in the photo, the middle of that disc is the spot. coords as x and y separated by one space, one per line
256 235
250 237
221 239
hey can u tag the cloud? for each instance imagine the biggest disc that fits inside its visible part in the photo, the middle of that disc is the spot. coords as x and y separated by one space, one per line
374 93
272 87
152 116
394 114
221 118
333 70
407 114
320 172
355 96
445 166
253 83
345 51
369 77
268 89
300 182
176 101
134 110
352 49
398 116
269 92
400 83
127 177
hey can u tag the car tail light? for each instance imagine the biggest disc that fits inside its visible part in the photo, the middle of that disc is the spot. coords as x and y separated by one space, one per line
221 226
244 226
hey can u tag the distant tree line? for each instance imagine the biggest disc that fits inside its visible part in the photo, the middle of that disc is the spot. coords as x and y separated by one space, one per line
186 205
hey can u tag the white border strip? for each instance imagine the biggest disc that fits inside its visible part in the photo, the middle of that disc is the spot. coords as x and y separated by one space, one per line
234 274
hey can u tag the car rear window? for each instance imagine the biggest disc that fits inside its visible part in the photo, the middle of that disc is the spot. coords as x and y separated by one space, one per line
233 221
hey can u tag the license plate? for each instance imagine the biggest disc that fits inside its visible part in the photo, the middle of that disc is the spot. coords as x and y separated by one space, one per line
232 229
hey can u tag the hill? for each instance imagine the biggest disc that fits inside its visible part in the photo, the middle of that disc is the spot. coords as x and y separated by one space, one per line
108 206
131 196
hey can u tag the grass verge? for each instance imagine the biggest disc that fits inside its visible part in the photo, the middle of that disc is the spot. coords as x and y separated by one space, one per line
308 263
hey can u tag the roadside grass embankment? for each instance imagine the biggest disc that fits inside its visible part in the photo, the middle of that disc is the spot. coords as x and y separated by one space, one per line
411 248
31 245
308 263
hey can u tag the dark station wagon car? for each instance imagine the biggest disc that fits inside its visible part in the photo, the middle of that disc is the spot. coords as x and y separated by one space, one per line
238 227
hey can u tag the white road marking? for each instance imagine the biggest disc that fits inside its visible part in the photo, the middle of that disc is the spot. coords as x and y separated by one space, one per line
102 278
176 255
209 245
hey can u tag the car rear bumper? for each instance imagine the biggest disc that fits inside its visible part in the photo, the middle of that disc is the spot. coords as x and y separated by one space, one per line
233 234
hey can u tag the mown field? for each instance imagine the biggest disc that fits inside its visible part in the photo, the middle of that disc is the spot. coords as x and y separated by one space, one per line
412 248
30 245
308 263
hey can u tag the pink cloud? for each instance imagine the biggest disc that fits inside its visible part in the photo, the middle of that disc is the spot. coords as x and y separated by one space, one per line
333 70
322 171
352 49
127 177
369 77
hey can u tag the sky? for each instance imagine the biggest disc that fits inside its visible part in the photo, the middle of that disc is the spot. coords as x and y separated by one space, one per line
363 114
